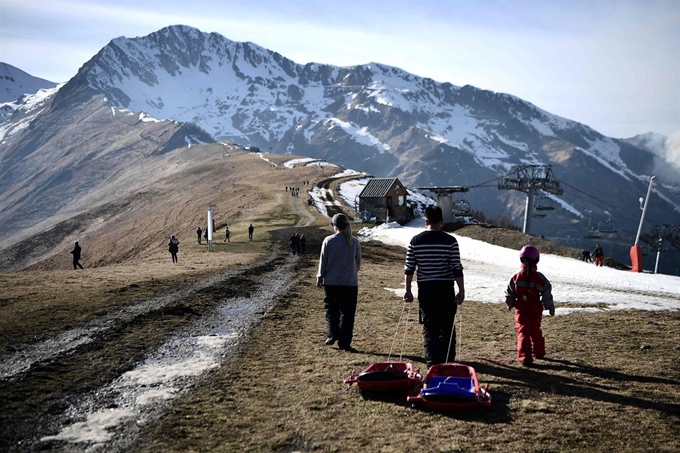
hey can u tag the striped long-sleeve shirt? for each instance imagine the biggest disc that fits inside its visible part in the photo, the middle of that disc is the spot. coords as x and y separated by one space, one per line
435 255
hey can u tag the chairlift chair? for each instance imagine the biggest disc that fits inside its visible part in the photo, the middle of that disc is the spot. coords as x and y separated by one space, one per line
544 204
606 227
592 232
538 216
461 207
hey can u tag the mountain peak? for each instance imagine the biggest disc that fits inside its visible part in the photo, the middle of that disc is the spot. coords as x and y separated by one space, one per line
14 83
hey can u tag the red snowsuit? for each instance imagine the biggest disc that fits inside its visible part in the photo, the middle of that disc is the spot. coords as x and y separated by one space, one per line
525 292
598 254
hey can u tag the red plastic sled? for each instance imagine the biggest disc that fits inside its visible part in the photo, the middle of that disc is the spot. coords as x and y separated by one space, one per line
386 377
450 387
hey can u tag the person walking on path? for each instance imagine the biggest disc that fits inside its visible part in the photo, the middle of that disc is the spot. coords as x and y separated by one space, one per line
303 243
291 244
173 248
227 234
338 275
251 228
436 257
529 292
598 255
76 256
198 233
296 242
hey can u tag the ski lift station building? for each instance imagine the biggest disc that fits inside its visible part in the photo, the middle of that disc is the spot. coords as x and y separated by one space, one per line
384 198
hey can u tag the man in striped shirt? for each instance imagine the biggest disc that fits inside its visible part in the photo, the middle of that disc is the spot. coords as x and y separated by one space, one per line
436 257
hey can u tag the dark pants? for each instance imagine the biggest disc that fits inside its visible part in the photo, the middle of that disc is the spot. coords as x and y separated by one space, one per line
438 311
76 264
174 256
340 304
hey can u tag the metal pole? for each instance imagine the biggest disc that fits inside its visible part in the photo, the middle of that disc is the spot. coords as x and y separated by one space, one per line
527 211
210 227
658 255
644 211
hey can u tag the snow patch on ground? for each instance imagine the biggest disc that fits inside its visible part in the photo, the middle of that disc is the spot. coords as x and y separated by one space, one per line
101 417
488 269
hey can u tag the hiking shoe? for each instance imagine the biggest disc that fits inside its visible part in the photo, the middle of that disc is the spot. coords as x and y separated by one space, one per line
539 357
331 341
527 362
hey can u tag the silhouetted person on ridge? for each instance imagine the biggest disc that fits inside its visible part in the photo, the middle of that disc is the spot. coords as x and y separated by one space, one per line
173 248
199 232
251 228
76 257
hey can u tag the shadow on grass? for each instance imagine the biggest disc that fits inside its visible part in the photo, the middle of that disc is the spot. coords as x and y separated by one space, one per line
499 412
535 378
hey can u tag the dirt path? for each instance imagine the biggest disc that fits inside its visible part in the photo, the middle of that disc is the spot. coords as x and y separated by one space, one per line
88 375
87 389
91 386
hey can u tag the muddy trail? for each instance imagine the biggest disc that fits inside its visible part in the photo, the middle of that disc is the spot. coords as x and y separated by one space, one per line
327 189
93 386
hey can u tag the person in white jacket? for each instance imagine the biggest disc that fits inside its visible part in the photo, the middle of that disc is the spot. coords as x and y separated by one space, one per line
338 275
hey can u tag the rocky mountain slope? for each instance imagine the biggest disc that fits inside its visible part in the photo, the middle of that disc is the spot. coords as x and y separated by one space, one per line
370 117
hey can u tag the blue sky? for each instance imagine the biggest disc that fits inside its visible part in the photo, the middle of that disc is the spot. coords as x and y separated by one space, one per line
611 64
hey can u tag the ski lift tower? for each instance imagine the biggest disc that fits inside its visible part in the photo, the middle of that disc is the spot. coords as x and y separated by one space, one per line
530 179
444 199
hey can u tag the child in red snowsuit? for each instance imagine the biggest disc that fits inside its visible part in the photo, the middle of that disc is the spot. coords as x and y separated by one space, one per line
528 292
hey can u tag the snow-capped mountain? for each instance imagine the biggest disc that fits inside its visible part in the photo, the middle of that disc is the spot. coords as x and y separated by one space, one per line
378 119
14 83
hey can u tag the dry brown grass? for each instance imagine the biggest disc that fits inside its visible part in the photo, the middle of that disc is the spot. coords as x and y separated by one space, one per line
611 382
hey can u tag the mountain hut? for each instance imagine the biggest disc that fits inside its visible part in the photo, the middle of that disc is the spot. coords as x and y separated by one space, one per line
385 199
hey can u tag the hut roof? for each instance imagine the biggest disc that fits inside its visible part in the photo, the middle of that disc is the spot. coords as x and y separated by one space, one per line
377 187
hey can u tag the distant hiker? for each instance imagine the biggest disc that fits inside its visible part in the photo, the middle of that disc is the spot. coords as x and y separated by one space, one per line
303 244
227 233
199 232
76 256
529 292
205 233
436 257
291 244
598 254
585 256
296 242
338 275
173 248
251 228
